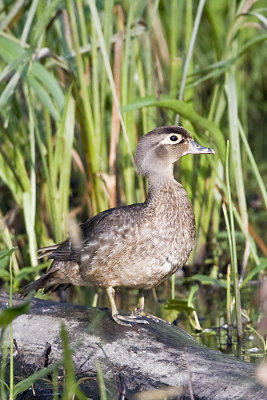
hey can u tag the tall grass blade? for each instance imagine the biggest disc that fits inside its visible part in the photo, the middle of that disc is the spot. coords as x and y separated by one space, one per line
43 21
109 71
231 235
9 90
231 92
71 388
28 22
101 382
190 50
29 198
11 14
255 169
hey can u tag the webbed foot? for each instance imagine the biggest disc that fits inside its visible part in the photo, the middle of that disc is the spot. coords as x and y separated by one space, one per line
126 320
141 312
129 320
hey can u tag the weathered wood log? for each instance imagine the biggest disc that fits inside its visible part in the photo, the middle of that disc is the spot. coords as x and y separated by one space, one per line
132 360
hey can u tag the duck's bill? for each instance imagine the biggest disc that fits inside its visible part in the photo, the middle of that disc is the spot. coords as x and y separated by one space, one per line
196 148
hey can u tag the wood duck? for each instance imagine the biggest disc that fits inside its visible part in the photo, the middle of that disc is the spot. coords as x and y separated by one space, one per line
135 246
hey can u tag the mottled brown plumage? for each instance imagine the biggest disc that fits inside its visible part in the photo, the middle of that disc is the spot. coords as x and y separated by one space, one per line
136 246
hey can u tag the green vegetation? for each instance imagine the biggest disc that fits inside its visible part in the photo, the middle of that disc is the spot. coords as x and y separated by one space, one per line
81 80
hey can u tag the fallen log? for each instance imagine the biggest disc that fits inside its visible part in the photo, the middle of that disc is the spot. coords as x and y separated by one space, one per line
157 356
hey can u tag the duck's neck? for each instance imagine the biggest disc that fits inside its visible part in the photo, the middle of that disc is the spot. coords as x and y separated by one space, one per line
164 189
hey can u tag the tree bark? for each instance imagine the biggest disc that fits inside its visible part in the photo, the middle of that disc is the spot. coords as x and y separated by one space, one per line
132 359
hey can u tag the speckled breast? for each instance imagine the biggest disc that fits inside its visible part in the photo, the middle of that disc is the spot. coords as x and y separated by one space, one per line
146 247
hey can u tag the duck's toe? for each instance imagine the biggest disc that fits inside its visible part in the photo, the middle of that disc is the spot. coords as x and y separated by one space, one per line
129 320
140 312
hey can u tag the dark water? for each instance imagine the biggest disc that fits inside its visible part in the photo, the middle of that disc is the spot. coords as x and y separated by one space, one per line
210 306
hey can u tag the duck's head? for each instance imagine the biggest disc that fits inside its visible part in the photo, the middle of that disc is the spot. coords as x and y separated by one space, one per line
159 149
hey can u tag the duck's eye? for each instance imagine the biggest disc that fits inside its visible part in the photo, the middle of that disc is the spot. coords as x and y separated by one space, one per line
172 138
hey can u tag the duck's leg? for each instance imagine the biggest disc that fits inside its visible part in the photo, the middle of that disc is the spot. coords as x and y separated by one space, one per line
122 319
140 309
141 301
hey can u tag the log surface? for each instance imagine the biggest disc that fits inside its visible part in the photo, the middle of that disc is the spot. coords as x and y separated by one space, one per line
132 359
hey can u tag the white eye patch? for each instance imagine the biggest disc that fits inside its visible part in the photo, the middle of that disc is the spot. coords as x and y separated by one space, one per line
172 138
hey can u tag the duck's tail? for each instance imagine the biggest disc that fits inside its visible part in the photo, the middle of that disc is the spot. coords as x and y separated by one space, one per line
46 251
49 282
